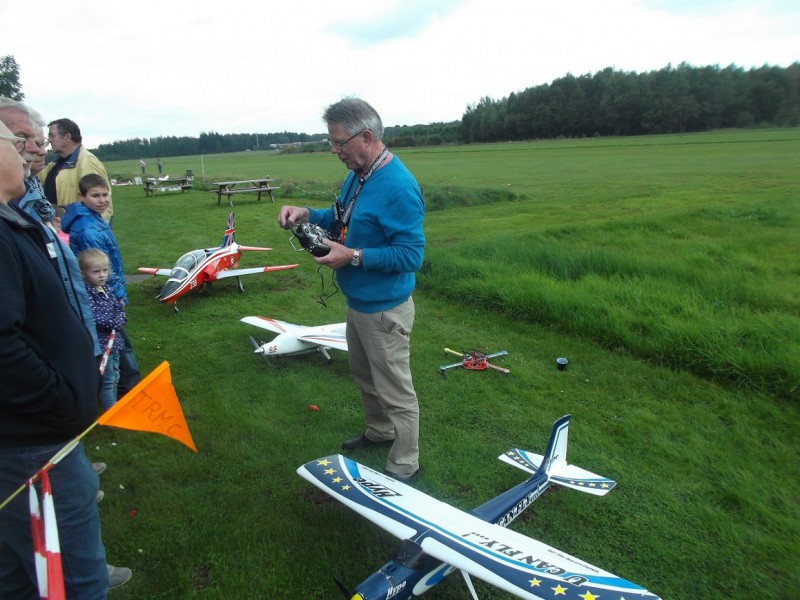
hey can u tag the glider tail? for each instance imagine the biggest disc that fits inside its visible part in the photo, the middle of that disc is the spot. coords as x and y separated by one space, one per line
555 457
554 463
230 235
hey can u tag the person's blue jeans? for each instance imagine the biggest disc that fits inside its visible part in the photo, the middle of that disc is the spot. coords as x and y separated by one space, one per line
129 374
74 485
108 390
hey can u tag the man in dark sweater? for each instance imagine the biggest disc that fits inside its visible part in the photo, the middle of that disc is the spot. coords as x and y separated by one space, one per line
48 396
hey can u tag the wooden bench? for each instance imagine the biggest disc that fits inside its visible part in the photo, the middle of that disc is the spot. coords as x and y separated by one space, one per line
163 185
246 186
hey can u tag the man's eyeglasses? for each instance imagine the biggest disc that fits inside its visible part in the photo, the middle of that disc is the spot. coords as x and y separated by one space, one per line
19 142
344 143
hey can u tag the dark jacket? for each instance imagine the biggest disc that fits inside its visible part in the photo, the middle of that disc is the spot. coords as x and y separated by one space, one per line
49 380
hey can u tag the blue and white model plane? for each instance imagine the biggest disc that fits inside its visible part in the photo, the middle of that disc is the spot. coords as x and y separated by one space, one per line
439 538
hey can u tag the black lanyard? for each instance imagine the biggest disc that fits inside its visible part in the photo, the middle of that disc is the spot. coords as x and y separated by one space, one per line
341 213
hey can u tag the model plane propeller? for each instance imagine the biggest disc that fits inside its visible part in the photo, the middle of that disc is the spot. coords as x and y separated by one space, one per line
439 538
199 267
298 339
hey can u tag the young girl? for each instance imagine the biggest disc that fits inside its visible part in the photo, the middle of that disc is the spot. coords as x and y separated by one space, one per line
109 317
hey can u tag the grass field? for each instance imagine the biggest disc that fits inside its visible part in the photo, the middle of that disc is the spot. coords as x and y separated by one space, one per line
665 268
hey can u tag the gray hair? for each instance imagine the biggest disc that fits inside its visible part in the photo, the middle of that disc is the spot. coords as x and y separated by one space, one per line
355 115
6 102
35 116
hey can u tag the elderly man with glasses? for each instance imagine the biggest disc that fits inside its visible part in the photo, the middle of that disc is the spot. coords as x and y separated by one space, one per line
377 222
48 397
20 120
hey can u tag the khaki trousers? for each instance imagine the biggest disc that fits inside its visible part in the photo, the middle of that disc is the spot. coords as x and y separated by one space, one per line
379 353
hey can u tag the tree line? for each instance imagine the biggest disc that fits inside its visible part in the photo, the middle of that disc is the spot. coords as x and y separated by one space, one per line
617 103
207 143
607 103
216 143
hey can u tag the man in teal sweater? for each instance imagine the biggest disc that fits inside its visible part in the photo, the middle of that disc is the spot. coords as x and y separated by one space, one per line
377 219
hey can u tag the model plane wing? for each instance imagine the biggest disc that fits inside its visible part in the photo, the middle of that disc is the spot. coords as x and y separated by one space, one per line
252 271
502 557
273 325
153 271
329 336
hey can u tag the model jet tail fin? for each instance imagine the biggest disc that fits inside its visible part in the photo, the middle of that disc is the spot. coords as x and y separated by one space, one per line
229 236
554 463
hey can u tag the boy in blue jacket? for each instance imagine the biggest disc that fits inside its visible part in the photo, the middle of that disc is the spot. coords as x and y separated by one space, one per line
86 228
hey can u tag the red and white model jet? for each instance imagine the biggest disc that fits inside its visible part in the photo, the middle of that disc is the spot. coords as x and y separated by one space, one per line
198 267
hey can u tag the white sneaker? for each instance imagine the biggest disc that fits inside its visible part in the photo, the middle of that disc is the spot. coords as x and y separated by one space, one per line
99 467
118 576
100 494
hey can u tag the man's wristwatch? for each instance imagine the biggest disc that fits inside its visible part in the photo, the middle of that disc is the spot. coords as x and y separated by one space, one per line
356 260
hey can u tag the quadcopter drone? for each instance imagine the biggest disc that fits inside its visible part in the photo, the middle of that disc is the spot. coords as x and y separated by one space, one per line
474 360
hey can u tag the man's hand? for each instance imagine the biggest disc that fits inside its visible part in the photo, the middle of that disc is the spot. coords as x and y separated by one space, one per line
337 257
289 216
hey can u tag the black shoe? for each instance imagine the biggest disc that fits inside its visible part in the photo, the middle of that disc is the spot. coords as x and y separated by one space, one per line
404 478
363 442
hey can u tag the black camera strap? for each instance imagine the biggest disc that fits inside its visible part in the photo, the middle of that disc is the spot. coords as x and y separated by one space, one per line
341 213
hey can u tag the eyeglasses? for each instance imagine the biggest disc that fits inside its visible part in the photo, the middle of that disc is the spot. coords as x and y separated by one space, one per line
41 143
19 142
344 143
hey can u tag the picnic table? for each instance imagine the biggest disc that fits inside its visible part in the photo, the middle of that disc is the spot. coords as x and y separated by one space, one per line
258 186
152 185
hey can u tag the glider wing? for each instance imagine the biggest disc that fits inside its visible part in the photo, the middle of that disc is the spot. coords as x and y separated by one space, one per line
328 336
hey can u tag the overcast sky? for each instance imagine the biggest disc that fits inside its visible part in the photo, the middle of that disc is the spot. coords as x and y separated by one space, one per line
147 68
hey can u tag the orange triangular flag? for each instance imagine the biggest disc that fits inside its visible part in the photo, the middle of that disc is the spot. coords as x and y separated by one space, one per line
151 406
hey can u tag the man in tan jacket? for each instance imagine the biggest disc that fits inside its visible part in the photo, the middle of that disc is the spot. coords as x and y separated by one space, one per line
60 178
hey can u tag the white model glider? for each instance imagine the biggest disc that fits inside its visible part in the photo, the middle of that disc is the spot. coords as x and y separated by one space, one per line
298 339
